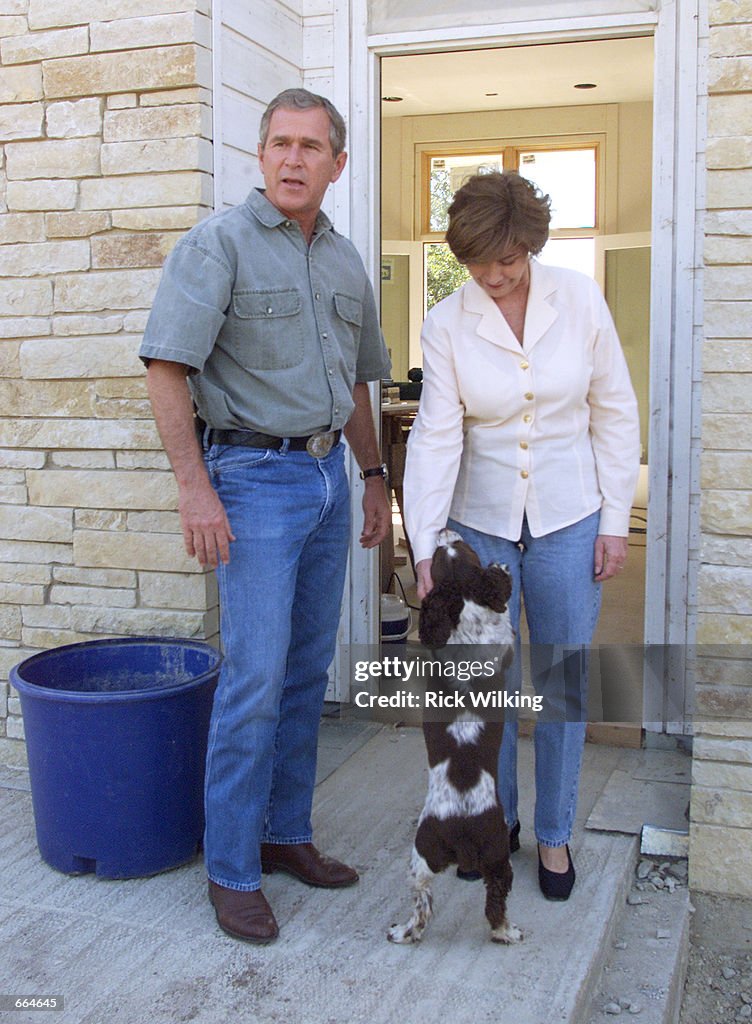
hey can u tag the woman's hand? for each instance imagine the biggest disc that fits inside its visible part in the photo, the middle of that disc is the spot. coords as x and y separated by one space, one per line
610 556
424 580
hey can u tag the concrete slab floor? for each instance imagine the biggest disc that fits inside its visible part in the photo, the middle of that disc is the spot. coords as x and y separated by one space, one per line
149 949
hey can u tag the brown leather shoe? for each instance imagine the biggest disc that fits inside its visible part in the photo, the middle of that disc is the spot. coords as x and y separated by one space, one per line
243 915
305 862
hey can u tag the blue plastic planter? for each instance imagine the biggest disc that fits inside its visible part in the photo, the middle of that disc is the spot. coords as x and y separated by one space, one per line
116 735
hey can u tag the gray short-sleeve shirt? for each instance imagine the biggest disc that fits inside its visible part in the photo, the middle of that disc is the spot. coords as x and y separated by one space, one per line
275 331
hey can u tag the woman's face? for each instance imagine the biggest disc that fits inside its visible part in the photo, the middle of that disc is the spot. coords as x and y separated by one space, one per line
501 277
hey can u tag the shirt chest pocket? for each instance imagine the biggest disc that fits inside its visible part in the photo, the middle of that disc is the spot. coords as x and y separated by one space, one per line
266 328
350 320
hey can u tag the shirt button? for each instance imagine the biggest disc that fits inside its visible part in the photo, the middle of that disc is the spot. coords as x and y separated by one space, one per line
331 373
269 310
524 474
529 396
317 295
288 224
524 365
527 418
324 335
524 445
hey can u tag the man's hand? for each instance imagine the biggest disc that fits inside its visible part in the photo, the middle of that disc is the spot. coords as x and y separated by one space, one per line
377 512
206 528
610 556
424 578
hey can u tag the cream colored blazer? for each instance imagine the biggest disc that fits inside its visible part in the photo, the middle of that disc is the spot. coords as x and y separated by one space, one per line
548 429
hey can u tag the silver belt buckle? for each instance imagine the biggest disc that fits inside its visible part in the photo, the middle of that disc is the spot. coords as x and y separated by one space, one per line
319 445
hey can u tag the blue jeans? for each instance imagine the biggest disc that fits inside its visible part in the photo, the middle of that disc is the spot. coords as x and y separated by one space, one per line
554 575
280 598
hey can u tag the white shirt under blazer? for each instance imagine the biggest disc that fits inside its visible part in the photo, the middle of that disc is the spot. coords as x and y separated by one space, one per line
548 428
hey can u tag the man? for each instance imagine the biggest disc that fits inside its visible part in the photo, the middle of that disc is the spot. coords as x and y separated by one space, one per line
266 321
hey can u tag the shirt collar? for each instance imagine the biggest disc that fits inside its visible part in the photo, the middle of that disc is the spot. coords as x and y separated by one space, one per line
268 214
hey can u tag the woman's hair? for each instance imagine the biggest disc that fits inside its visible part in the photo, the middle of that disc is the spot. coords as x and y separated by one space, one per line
302 99
493 214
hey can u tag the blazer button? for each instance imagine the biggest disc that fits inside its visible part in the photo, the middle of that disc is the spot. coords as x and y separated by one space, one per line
529 396
524 445
527 418
524 365
524 474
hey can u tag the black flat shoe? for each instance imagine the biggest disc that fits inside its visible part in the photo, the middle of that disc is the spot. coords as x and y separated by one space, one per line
556 885
514 845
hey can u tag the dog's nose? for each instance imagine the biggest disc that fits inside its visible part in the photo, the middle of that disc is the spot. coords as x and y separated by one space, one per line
448 537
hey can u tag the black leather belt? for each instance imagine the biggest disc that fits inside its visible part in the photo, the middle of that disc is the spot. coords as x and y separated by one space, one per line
317 445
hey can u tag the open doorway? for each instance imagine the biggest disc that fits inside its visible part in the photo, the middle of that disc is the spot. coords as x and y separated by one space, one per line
577 119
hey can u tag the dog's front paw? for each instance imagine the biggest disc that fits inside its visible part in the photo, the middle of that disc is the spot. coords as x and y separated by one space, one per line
403 934
507 933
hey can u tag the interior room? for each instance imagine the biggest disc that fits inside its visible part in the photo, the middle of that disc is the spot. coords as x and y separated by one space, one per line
576 118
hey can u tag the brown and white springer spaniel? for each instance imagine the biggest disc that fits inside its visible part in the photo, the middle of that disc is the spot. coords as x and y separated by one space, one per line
462 821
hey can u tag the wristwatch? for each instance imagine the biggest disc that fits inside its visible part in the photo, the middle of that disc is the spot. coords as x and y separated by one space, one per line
375 471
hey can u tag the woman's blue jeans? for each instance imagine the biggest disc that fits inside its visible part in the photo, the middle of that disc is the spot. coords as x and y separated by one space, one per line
280 598
554 576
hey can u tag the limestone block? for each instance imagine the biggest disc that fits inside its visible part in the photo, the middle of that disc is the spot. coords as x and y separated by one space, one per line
716 727
723 776
113 489
194 94
21 593
138 621
10 622
726 550
721 807
45 398
158 30
52 13
98 519
728 250
154 522
173 590
72 119
180 188
120 387
47 616
25 298
24 327
726 512
124 408
26 573
160 552
21 121
728 319
716 628
36 552
136 322
136 70
142 460
730 283
106 290
727 750
159 219
726 12
21 459
10 364
82 460
13 494
729 114
728 666
167 122
725 470
729 74
148 156
729 188
12 25
77 434
21 84
731 41
62 594
70 326
123 100
729 152
722 392
41 195
22 227
726 589
35 259
720 860
729 432
76 225
729 222
141 250
38 46
118 578
43 524
87 356
47 638
14 729
54 158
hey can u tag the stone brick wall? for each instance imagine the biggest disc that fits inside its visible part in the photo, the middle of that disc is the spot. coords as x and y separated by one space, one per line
105 130
721 810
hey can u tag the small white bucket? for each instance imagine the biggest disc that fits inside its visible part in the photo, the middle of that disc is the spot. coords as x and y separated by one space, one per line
395 619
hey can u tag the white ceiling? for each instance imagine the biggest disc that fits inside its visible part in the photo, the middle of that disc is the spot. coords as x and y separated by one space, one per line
521 76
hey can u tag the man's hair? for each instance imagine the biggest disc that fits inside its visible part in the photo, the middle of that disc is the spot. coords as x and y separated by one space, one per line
494 214
302 99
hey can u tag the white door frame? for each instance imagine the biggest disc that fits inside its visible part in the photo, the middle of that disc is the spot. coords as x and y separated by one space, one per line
673 278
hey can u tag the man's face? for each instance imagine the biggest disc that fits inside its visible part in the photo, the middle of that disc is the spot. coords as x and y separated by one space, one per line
298 163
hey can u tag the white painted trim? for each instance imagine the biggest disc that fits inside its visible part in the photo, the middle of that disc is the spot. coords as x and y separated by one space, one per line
217 139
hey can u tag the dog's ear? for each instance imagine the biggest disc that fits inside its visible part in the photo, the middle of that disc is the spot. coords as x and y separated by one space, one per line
439 614
496 588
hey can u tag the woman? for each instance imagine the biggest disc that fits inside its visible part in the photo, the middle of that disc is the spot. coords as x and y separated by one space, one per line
527 442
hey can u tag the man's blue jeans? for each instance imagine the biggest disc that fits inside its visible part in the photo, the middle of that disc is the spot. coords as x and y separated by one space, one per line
280 600
554 575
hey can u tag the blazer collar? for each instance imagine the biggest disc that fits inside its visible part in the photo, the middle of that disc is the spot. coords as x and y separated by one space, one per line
539 316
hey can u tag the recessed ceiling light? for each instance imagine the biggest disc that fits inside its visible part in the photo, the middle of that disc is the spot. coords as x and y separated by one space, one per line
586 85
392 99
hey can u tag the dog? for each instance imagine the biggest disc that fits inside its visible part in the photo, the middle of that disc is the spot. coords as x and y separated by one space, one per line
462 821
